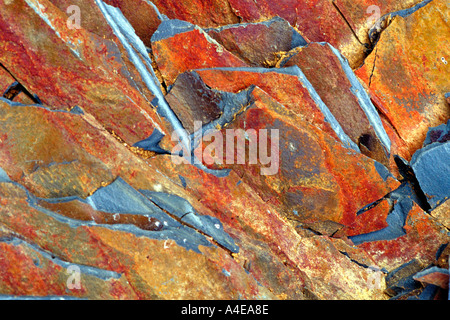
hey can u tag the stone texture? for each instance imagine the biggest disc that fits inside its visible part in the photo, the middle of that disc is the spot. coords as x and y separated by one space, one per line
311 182
411 50
48 65
284 86
317 21
96 204
362 16
421 240
435 276
188 47
431 172
259 44
192 100
323 69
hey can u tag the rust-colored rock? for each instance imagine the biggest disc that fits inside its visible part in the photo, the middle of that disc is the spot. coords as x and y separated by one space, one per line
325 72
185 47
284 194
259 44
48 67
307 176
406 74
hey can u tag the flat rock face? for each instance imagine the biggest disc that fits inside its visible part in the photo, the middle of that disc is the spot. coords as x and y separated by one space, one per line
259 44
223 150
185 47
48 65
411 50
316 21
324 70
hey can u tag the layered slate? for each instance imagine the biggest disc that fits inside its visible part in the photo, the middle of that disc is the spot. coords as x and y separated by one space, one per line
411 51
224 150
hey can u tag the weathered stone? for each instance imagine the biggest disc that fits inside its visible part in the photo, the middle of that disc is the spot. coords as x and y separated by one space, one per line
90 19
84 131
49 65
192 100
316 20
411 51
440 213
285 86
442 259
418 237
204 13
363 16
179 46
400 280
325 71
238 207
435 276
306 176
12 90
433 172
259 44
91 181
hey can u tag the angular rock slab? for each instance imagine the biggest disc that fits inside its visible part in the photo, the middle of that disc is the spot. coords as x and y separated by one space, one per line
179 46
435 276
266 239
192 100
11 89
326 72
245 218
411 51
144 16
440 213
36 150
48 66
363 16
274 261
33 272
91 18
259 44
96 251
204 13
304 173
316 21
432 169
286 86
114 264
418 237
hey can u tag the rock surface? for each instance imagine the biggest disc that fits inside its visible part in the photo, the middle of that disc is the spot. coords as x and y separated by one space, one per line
224 150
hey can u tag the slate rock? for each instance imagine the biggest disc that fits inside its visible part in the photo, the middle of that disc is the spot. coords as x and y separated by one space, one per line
89 179
325 70
435 276
305 175
48 66
179 46
316 21
433 172
192 101
259 44
410 51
